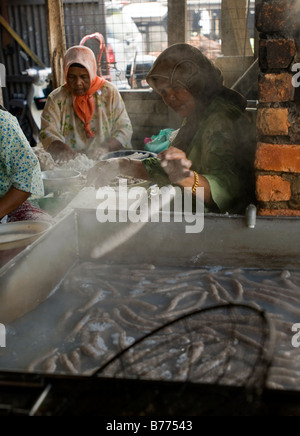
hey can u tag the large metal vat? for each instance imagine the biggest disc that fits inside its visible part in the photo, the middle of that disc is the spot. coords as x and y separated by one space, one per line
30 279
225 241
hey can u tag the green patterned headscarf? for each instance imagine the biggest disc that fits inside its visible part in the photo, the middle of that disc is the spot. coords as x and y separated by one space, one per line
185 66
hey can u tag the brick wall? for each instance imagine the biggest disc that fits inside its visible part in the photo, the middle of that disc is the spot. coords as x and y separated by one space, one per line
278 118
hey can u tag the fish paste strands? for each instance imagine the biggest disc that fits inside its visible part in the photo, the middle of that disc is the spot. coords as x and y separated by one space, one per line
152 306
179 357
109 307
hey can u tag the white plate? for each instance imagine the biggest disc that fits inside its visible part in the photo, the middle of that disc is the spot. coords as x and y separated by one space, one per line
21 234
131 154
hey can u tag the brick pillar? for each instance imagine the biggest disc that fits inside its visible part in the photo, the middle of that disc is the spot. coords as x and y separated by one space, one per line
278 117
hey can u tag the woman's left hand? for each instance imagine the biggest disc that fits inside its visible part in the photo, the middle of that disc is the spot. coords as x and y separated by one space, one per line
108 146
103 173
176 164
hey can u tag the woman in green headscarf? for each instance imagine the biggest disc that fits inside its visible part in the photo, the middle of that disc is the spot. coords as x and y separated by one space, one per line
215 145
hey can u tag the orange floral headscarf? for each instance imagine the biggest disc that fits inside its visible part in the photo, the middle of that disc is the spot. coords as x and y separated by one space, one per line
84 106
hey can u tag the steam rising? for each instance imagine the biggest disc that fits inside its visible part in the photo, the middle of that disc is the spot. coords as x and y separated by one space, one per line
124 234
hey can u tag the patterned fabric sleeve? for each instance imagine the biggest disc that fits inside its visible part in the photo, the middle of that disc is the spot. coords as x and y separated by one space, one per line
19 166
51 122
121 124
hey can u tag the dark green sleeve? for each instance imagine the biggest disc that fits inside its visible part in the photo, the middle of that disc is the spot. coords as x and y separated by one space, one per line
218 152
213 154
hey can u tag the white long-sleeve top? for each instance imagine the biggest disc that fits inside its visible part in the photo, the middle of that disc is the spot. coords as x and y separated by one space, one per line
110 120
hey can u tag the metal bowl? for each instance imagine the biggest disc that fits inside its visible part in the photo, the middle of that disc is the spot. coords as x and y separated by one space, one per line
131 154
60 180
21 233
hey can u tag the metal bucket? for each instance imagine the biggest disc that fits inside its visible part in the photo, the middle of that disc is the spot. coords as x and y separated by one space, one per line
60 180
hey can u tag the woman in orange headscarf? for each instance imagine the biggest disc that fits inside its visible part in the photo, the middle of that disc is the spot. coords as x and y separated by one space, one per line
85 115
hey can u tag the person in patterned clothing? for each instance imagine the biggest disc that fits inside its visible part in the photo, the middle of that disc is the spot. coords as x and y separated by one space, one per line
87 114
21 182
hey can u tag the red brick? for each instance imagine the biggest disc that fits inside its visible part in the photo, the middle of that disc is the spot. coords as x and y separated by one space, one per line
276 53
273 122
275 88
279 212
275 157
277 16
273 188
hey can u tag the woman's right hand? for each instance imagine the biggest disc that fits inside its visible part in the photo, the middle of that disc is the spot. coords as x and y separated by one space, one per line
61 151
12 200
103 173
176 164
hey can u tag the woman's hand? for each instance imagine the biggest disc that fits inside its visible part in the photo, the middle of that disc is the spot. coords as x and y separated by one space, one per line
104 172
12 200
176 164
107 146
61 151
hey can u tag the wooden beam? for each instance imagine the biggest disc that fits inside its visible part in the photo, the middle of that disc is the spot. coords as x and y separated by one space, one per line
235 35
56 40
6 36
20 41
177 21
233 67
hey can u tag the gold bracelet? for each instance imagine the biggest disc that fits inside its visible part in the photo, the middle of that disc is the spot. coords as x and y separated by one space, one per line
196 182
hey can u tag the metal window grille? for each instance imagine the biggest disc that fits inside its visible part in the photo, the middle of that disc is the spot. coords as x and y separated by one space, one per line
133 30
